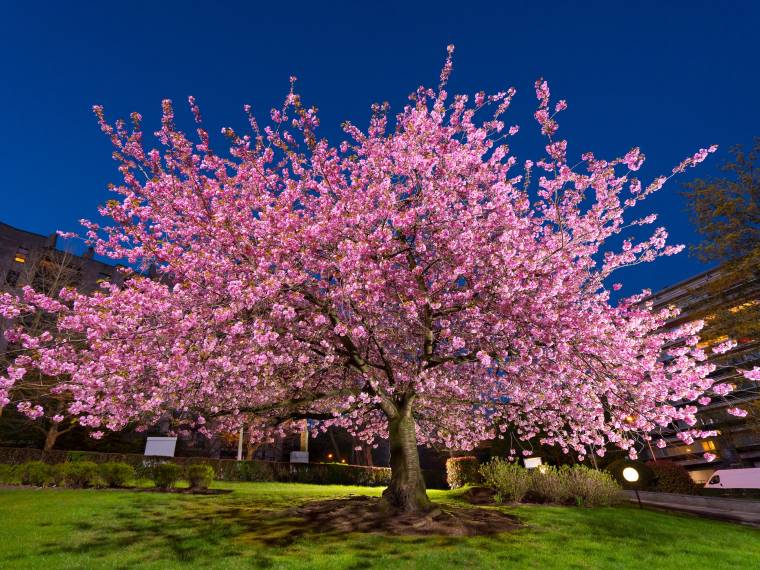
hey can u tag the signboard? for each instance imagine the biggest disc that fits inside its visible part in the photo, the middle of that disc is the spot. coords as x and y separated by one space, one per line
532 462
299 456
160 446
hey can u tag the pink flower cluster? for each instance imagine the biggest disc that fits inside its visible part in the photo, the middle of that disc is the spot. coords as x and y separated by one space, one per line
408 268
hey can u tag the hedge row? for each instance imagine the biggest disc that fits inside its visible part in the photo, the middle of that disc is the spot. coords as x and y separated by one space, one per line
82 474
229 469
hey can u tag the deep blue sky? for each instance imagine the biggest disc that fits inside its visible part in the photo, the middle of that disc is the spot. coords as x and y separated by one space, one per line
666 76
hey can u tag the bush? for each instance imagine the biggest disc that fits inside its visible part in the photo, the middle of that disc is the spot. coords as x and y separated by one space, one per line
671 478
9 475
589 487
461 471
79 474
509 481
116 474
36 473
166 475
58 472
200 475
550 485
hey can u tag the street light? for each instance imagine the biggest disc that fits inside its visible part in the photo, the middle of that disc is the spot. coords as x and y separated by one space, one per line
631 475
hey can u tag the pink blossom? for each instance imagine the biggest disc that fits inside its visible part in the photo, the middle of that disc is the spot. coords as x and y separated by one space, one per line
407 267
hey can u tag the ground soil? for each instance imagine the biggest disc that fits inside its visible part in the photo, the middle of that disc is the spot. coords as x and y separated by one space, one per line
370 514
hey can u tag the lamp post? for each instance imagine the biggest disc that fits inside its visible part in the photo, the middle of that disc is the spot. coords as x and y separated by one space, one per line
631 475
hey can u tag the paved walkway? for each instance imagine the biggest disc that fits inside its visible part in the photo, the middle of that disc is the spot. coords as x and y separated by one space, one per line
736 510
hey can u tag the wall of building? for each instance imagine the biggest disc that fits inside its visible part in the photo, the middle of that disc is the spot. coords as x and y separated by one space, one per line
738 441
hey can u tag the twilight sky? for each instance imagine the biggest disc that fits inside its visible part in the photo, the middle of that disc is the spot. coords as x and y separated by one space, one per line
670 77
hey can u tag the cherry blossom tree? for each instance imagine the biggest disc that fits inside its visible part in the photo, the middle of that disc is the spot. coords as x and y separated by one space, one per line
413 282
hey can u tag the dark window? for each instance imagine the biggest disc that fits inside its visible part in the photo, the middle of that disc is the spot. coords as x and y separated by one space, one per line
11 278
103 277
715 480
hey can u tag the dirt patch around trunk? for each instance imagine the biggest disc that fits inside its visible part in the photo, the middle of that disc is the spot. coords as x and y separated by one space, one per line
373 515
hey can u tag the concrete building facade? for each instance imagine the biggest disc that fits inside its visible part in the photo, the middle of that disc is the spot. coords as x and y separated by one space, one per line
738 441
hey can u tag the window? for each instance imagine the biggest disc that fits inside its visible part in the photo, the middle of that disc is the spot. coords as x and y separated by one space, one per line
11 278
708 445
715 480
102 276
21 255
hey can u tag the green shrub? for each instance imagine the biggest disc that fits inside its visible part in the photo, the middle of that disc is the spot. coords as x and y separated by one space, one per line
671 478
36 473
509 481
80 474
9 475
200 475
590 487
549 484
58 472
166 475
116 474
461 471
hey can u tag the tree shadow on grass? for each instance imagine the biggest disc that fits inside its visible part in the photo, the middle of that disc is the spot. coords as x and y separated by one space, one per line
210 530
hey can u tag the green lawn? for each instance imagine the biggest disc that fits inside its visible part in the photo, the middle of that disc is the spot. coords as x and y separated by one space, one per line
247 529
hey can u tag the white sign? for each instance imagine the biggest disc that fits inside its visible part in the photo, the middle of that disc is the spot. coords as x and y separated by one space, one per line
299 456
160 446
532 462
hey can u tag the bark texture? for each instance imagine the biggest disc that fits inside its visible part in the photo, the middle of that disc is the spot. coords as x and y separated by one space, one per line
51 437
406 491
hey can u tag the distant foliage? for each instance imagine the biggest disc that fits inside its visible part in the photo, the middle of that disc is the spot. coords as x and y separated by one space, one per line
461 471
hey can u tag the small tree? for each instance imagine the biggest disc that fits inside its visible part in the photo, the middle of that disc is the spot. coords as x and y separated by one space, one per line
42 406
726 212
407 283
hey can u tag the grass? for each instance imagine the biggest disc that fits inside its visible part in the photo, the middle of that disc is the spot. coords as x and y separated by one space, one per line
49 528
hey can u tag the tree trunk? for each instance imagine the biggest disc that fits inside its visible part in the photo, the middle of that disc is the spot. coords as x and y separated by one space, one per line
50 437
407 488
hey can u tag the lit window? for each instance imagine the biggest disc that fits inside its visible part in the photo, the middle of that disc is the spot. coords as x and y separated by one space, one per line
21 255
743 306
708 445
706 343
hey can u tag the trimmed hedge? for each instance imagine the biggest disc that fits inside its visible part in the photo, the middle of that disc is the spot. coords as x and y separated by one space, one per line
200 476
116 474
229 469
80 474
461 471
166 475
